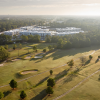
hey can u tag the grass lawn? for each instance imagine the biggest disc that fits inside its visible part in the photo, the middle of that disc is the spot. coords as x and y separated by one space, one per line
35 86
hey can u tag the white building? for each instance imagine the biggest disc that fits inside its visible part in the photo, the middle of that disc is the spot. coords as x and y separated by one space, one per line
31 30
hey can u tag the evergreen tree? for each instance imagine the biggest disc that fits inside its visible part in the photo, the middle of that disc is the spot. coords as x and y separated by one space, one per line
23 95
51 71
13 84
44 50
49 90
50 82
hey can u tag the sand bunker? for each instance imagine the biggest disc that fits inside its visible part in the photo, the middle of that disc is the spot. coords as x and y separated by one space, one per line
15 59
38 56
27 72
28 57
1 65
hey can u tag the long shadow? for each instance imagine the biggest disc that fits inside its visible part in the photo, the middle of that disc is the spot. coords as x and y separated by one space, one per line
18 75
61 74
6 93
42 81
96 60
71 52
87 62
40 96
38 61
70 78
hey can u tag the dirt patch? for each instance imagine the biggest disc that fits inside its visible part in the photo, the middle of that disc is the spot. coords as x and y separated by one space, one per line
27 72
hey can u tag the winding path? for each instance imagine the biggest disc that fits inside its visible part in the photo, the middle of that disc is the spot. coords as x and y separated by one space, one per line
45 71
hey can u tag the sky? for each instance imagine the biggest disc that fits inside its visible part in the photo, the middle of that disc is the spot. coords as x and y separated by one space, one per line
50 7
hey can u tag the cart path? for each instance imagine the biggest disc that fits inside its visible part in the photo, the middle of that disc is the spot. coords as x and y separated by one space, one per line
46 71
76 86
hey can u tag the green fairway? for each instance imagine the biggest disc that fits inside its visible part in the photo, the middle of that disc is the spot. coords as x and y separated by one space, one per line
35 86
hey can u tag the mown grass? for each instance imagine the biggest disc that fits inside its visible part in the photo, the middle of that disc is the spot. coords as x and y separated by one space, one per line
35 86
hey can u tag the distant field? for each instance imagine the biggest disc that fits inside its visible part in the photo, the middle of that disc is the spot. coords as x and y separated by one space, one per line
35 86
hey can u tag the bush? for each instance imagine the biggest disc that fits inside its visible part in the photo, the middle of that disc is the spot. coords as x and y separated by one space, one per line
51 71
23 95
90 57
44 50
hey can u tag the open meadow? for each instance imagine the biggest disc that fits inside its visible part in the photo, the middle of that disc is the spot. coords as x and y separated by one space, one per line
35 82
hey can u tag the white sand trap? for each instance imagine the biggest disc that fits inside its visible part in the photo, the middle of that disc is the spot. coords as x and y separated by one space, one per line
27 72
38 56
1 65
15 59
28 57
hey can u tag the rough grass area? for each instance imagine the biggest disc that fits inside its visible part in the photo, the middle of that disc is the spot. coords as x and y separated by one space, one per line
65 77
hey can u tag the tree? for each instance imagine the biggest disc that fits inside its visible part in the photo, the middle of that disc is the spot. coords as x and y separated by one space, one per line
23 95
90 57
48 38
49 47
34 48
20 46
83 60
44 50
14 46
49 90
6 47
13 84
98 57
71 63
24 38
4 54
50 82
1 95
51 71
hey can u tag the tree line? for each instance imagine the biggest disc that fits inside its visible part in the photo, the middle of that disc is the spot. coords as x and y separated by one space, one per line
75 40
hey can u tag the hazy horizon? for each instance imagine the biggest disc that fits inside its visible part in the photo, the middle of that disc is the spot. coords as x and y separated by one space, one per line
50 7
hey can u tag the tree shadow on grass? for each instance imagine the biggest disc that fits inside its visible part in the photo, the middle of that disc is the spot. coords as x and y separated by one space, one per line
87 62
70 52
38 61
40 96
7 93
70 78
96 60
61 74
18 75
40 82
